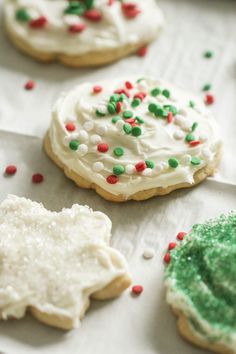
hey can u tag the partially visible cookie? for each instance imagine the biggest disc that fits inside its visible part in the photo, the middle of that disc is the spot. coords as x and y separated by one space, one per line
201 285
133 138
52 263
82 33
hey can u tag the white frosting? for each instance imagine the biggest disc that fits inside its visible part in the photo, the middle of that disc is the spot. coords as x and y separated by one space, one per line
53 261
157 141
113 31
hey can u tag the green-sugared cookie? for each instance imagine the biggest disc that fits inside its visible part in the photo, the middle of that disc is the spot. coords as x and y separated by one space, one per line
201 284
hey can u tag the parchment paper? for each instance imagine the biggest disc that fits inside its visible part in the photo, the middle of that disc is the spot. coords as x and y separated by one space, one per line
127 325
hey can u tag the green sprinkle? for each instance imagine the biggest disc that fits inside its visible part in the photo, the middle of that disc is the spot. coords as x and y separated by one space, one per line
140 120
75 8
208 54
123 97
206 87
190 137
111 108
118 151
74 144
171 109
115 119
22 15
161 112
195 161
127 114
141 79
115 98
191 104
136 131
194 126
150 164
152 107
118 170
136 102
166 93
127 128
155 92
173 162
99 114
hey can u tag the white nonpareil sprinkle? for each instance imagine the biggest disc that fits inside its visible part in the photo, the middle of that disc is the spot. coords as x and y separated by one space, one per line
83 135
101 129
129 169
98 166
95 139
88 126
148 253
178 135
83 149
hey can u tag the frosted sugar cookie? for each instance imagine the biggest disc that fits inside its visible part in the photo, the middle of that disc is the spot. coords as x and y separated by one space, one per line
201 286
133 138
82 33
52 263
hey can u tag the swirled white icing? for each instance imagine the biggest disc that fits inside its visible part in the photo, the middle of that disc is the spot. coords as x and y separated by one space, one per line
113 31
53 261
159 141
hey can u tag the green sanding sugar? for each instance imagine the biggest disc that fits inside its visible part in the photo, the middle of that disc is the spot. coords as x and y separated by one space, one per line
203 270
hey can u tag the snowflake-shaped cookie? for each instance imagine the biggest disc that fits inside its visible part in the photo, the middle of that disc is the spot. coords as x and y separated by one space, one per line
52 263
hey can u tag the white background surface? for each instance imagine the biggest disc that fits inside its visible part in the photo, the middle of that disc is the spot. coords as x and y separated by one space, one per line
142 325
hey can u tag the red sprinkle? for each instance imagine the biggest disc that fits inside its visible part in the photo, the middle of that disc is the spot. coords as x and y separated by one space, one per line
37 178
97 89
142 51
110 2
70 127
39 22
172 245
167 258
10 170
29 85
137 289
128 85
209 99
124 91
93 15
140 95
118 107
140 166
180 235
130 9
130 120
112 179
77 28
194 143
103 147
170 117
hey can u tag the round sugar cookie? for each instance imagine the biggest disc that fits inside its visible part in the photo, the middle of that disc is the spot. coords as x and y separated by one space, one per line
133 138
82 33
201 287
53 263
